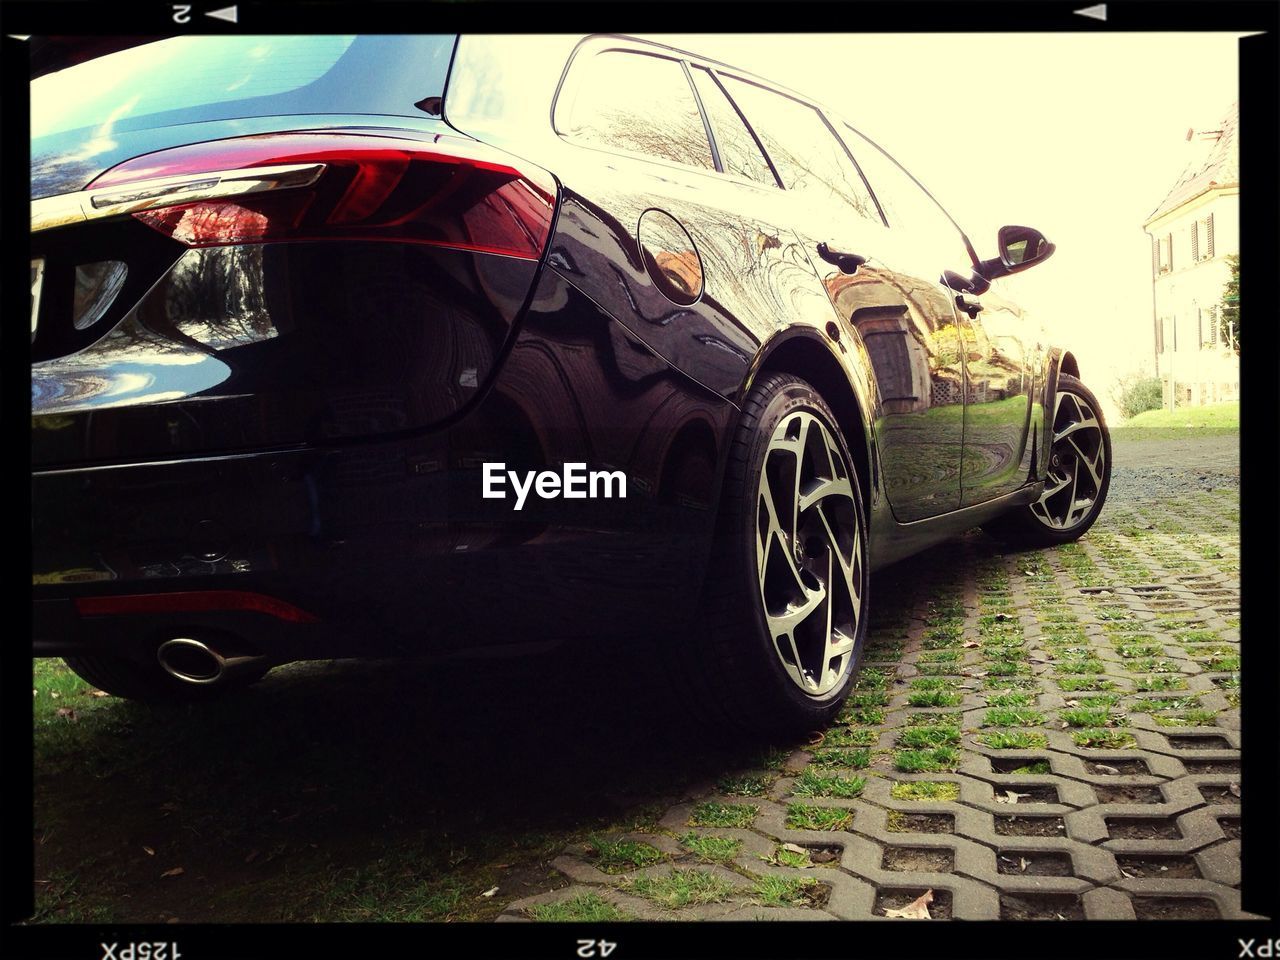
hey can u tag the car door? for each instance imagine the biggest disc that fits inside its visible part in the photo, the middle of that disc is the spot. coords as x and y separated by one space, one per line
989 330
916 349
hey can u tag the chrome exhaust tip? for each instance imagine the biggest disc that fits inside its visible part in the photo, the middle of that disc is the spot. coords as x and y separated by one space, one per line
193 661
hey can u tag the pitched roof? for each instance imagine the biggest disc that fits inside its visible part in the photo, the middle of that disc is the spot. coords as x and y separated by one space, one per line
1219 166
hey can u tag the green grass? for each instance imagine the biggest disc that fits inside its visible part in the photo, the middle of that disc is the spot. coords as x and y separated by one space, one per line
934 698
723 815
862 715
801 816
1160 681
925 790
936 760
862 700
1091 682
922 738
711 849
584 908
874 679
796 859
939 656
744 785
1102 702
1079 666
839 757
1223 664
1153 704
1172 424
784 891
1010 700
1036 768
934 719
1192 718
1091 718
1102 738
1003 717
619 856
1013 740
1129 651
680 888
844 737
1009 684
813 784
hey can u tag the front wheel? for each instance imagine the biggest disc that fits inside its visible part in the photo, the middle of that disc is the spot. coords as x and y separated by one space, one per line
785 609
1078 476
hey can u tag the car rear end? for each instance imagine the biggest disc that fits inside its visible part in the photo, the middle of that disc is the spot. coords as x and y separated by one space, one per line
266 275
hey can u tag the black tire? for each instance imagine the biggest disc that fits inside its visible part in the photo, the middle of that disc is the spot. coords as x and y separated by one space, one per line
1024 526
149 683
732 669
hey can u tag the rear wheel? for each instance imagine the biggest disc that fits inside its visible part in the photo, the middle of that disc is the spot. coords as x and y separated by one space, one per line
785 609
1078 477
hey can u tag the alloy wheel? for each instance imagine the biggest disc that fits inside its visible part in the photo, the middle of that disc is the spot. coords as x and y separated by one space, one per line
809 553
1077 465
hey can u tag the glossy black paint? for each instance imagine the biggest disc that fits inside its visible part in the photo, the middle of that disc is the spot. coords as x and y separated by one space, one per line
310 420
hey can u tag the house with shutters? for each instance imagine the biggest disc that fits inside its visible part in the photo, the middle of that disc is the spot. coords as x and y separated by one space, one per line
1193 230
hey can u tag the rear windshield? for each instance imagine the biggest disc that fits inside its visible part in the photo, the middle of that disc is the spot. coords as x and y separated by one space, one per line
195 78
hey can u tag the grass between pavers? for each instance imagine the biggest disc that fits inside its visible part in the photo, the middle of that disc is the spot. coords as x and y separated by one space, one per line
744 785
840 757
782 857
620 856
711 814
802 816
774 891
1002 717
681 888
711 849
1036 767
925 790
935 760
1013 740
583 908
810 783
1083 717
1192 718
1104 738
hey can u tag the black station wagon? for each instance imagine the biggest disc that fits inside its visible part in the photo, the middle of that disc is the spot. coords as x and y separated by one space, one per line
435 345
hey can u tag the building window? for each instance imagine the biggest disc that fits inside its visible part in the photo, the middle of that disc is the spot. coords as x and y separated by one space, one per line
1164 254
1211 319
1202 239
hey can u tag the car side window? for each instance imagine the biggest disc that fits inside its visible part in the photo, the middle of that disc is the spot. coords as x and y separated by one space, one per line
907 206
636 103
805 152
739 153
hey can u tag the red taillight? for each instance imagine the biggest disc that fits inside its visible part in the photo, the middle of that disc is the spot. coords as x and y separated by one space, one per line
446 191
194 601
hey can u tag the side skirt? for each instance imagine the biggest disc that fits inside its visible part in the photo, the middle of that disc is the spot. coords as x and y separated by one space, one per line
891 541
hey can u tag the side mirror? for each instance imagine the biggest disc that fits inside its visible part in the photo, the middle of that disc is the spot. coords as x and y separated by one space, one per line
1022 247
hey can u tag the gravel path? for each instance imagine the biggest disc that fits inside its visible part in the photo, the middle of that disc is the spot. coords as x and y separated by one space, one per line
1162 467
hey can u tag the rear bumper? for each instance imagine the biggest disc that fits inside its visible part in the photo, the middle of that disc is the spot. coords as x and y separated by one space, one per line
389 544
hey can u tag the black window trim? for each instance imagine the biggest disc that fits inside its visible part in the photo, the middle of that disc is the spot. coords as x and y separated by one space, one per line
817 108
755 138
642 50
973 254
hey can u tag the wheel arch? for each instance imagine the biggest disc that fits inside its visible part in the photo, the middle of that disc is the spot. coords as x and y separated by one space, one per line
806 354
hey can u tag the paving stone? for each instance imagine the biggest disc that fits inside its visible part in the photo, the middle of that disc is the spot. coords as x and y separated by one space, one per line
1133 614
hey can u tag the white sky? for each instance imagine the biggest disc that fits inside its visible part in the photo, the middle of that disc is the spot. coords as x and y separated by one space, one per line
1080 135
